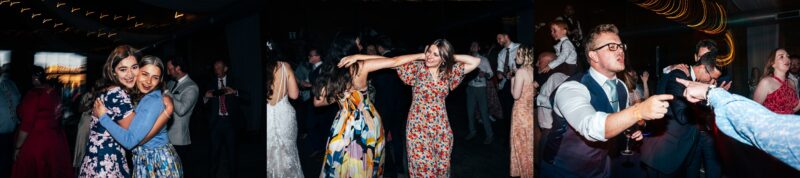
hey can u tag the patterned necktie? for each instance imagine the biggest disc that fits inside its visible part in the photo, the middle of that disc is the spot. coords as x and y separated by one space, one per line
223 108
508 58
612 84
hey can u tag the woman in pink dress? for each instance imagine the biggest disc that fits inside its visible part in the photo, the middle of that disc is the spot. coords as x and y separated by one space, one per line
775 90
523 88
41 145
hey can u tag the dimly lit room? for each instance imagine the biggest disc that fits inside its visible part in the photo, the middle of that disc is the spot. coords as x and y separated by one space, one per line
399 88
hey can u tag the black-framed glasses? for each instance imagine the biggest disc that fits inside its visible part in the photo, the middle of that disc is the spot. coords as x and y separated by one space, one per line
612 46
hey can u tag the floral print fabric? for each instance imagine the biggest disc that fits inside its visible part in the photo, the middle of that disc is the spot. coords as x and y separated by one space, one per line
104 156
428 132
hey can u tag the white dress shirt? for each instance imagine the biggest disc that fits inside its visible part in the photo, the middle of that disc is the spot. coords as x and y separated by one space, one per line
501 57
573 102
543 99
316 65
224 80
485 67
565 52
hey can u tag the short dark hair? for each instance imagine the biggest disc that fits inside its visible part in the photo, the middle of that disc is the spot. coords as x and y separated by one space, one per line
506 33
706 43
709 61
179 62
223 61
38 73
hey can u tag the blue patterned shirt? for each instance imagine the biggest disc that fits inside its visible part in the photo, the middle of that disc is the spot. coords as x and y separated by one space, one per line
753 124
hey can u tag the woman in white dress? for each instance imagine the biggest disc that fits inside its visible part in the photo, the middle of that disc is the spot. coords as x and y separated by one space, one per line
282 157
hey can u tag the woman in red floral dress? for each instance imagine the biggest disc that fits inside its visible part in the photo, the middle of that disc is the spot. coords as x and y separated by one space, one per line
433 75
775 91
428 133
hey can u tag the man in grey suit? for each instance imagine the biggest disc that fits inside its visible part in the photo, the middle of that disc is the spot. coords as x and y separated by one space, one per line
184 93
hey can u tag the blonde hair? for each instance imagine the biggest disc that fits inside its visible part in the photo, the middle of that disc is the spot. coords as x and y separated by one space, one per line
525 52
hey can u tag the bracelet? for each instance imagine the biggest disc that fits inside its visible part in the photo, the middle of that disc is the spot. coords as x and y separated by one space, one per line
708 91
637 114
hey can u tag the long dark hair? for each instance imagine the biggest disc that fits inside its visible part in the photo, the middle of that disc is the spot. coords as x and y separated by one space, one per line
108 78
446 53
149 60
336 81
273 55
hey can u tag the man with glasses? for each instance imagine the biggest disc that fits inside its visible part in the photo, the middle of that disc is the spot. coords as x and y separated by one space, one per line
590 107
670 150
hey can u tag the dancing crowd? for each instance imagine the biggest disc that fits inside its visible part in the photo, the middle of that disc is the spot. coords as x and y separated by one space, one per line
371 110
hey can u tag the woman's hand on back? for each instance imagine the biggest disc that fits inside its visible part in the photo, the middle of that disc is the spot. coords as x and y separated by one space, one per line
99 108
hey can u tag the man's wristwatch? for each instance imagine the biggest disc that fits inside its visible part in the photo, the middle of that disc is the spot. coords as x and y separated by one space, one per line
710 87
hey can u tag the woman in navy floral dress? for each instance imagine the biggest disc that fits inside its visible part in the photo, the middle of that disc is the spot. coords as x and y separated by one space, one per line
104 156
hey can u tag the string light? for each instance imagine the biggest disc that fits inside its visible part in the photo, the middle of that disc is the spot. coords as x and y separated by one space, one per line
724 60
178 15
713 19
64 27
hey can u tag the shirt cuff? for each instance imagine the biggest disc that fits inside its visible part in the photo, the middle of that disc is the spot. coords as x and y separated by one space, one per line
553 65
666 70
594 128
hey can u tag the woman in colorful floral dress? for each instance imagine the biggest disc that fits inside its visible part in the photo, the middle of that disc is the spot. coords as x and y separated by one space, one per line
356 143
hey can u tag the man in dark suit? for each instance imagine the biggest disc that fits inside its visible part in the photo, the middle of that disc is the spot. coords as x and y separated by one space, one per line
391 96
222 101
319 119
670 151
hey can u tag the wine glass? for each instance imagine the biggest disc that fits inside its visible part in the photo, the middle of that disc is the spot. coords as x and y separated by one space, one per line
628 132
